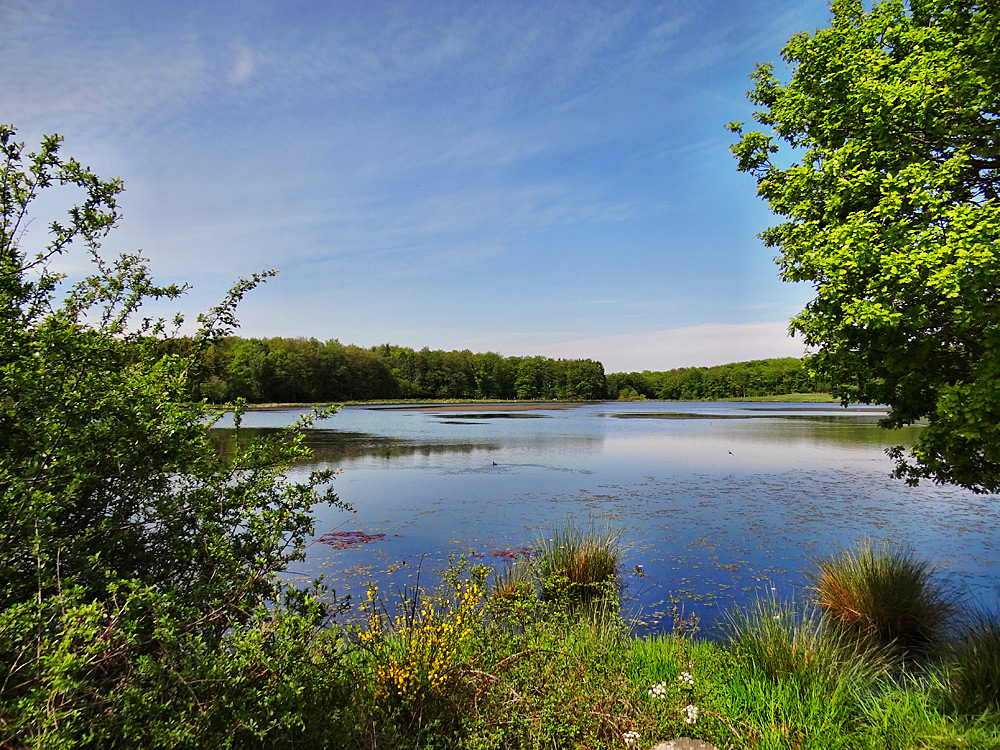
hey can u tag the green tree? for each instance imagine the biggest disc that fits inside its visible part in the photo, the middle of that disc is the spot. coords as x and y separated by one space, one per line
494 376
533 381
888 196
139 604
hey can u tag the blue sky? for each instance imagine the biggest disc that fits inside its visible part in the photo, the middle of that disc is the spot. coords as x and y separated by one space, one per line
523 177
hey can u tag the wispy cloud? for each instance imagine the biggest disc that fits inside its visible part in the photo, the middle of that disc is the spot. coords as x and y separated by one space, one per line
454 168
243 66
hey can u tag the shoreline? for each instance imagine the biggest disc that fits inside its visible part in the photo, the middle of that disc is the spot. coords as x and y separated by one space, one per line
508 405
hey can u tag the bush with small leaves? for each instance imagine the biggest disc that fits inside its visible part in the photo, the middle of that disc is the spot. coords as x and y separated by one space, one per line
139 603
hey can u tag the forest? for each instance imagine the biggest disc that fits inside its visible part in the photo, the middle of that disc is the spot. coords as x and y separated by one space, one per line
298 370
753 379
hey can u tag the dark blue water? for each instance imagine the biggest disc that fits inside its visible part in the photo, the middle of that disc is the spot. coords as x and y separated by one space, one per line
718 502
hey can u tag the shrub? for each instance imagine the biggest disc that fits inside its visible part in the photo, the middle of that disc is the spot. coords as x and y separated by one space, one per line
414 651
138 568
885 597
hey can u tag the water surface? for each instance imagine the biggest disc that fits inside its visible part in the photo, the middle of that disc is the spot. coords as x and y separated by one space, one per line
717 502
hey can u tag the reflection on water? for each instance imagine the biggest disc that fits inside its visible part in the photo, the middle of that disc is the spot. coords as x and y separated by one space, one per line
331 446
717 501
855 418
499 415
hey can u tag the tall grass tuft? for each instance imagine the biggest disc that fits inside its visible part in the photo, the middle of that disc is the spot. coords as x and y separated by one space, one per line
782 642
513 596
972 669
579 566
885 597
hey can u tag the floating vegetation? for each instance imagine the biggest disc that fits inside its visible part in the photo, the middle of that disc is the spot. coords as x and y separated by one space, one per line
513 553
349 539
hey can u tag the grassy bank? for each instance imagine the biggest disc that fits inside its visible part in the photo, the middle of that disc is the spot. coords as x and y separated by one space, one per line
798 398
537 656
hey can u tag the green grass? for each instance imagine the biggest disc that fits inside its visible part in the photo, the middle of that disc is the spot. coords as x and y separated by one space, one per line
560 675
972 666
783 642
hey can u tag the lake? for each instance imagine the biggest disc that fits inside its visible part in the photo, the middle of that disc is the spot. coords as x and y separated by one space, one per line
718 502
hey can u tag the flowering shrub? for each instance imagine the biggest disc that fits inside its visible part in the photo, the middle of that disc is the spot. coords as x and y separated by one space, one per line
414 653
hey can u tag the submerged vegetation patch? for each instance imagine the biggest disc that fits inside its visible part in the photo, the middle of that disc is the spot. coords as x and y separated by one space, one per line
514 553
349 539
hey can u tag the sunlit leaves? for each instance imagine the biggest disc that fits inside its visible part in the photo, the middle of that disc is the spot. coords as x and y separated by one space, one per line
882 157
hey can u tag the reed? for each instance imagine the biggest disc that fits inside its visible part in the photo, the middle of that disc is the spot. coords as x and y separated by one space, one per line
784 642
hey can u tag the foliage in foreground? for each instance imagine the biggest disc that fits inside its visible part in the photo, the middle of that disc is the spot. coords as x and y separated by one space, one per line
972 675
882 156
139 597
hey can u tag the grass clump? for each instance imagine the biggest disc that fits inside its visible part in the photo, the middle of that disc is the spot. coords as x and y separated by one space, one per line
579 566
972 667
514 597
782 642
885 597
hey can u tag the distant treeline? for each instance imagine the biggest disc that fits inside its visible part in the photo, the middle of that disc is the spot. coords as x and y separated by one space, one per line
759 377
283 370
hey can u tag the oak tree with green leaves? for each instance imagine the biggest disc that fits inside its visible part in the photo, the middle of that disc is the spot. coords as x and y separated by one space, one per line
140 603
881 154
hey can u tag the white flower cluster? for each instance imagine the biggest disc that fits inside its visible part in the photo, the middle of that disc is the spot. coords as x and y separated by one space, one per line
659 690
690 714
685 678
630 738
